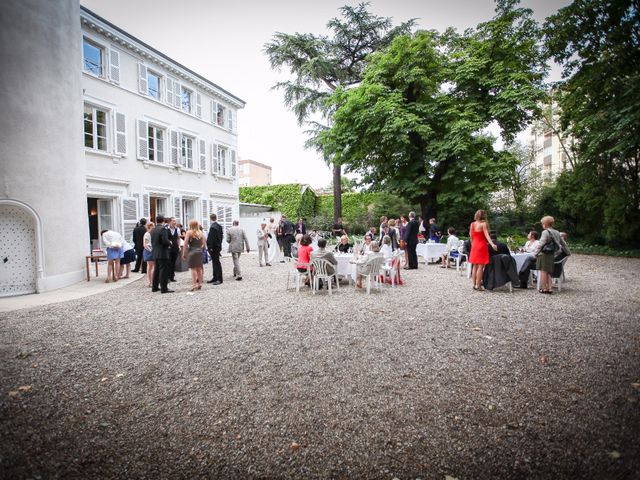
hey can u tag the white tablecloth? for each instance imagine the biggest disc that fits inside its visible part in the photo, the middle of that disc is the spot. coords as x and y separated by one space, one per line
520 259
431 250
346 269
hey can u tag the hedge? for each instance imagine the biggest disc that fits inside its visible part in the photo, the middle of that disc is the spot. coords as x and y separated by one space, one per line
292 199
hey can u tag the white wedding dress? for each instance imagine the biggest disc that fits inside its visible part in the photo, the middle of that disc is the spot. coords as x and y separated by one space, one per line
273 254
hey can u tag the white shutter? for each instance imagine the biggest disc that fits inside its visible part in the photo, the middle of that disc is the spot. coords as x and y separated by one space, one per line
142 129
169 84
203 155
198 105
177 209
175 147
205 214
214 159
212 104
114 65
129 216
177 94
146 213
120 133
234 166
142 79
230 119
222 162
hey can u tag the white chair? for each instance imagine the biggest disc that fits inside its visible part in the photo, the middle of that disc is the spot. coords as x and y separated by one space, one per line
320 271
391 267
461 258
292 263
375 268
560 278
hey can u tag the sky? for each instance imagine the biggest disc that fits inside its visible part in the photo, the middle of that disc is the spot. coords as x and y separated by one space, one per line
223 41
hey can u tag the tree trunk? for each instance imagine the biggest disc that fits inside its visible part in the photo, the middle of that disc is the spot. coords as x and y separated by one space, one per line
429 205
337 192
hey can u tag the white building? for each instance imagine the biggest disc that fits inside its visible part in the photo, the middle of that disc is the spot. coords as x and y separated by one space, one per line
551 158
156 138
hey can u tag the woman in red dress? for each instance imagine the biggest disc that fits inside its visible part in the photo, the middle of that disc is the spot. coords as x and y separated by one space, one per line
479 256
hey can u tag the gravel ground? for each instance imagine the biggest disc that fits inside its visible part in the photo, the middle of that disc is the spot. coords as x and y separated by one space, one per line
245 380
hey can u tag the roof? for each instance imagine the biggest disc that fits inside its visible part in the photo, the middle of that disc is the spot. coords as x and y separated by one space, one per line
160 54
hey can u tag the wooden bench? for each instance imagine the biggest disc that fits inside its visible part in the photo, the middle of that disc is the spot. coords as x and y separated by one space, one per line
96 259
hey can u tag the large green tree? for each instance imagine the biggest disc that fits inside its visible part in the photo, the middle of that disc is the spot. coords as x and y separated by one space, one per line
597 42
416 123
322 63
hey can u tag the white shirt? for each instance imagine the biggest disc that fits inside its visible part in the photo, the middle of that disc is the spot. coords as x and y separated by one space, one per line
386 250
531 246
112 239
126 246
452 243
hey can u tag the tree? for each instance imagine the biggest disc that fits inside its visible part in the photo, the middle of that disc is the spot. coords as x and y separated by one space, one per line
321 64
414 126
597 42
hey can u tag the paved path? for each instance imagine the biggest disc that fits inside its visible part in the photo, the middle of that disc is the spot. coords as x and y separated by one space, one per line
246 380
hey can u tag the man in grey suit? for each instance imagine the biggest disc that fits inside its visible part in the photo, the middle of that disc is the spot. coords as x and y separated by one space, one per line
236 238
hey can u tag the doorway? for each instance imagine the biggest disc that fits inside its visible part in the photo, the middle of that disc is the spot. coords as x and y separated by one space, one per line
157 206
100 211
17 251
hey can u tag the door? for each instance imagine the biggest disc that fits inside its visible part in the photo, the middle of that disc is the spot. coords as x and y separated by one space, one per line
17 251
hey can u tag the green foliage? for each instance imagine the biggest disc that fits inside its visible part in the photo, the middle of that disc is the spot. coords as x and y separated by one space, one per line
414 125
294 200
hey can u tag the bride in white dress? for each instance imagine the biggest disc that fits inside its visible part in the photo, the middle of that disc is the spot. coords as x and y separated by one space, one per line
274 254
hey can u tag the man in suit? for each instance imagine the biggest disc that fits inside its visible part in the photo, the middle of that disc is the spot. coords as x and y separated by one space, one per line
214 245
301 227
174 251
236 238
287 235
502 249
411 239
161 245
138 244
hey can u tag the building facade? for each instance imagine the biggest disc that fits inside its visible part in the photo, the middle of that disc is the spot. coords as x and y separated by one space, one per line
253 174
98 130
158 137
550 155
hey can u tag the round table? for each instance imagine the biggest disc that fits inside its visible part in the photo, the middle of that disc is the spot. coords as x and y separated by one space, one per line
346 268
431 250
520 258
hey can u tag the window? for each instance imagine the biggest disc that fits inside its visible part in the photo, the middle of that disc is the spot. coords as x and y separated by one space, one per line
222 161
220 115
93 58
95 128
153 84
187 99
156 144
188 211
187 151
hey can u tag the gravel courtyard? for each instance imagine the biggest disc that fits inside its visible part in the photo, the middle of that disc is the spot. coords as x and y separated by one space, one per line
246 380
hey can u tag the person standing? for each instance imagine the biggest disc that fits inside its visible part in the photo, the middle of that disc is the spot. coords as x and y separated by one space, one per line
147 254
214 245
160 245
435 233
263 244
411 240
236 238
174 251
138 246
273 253
194 245
338 228
128 258
479 256
301 227
287 236
113 242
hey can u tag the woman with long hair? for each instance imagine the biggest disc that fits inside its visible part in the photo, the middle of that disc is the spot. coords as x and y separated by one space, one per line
194 244
479 256
147 256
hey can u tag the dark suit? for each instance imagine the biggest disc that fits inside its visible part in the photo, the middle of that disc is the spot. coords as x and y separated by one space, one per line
161 245
214 245
174 251
138 245
502 249
411 239
287 237
301 228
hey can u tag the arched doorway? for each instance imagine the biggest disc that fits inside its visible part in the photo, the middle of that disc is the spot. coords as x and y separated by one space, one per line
18 256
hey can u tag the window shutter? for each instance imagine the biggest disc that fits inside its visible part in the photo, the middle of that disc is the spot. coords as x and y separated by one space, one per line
198 105
234 166
169 84
120 133
145 206
177 94
214 159
203 155
205 214
230 119
212 104
142 79
129 216
114 66
177 207
175 147
142 129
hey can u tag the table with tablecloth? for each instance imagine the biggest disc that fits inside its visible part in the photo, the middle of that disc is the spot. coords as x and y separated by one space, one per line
520 258
346 268
431 250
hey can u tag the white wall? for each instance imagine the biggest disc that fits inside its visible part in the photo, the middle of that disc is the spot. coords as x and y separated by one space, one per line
41 155
250 222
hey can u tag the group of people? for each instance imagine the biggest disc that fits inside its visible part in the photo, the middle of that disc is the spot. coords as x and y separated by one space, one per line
157 246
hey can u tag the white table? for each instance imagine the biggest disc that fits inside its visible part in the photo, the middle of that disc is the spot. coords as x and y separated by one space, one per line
431 250
520 258
346 269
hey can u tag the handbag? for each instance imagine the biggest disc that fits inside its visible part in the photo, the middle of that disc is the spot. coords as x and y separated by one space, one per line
550 247
205 256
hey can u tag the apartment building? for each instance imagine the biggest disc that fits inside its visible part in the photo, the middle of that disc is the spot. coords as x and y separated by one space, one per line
254 173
